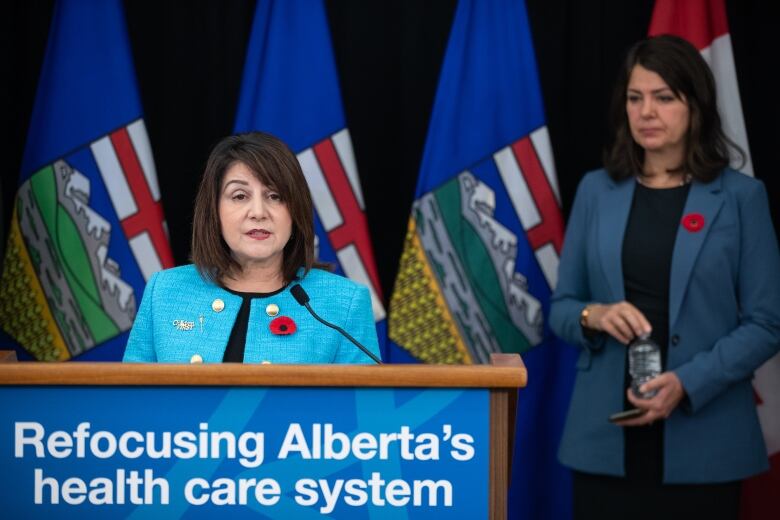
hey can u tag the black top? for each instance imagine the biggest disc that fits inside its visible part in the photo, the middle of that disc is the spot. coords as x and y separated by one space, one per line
647 262
234 351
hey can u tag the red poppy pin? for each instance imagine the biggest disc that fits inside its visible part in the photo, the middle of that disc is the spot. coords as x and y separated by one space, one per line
693 222
282 326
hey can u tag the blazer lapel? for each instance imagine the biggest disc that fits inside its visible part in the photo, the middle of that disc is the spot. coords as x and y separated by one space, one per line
705 199
614 207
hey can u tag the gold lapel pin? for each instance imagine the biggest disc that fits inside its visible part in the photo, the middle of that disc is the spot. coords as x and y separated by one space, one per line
217 305
196 359
272 309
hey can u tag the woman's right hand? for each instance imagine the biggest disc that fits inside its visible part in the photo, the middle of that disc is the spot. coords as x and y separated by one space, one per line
620 320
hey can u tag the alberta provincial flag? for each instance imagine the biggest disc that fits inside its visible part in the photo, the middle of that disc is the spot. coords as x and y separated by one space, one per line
484 238
87 229
290 89
704 23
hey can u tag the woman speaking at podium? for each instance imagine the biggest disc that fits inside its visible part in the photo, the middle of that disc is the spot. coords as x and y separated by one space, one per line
252 244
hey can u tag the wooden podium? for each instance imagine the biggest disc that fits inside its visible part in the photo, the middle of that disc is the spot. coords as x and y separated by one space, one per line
502 379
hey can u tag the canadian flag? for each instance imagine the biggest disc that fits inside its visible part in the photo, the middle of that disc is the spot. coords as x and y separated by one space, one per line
704 24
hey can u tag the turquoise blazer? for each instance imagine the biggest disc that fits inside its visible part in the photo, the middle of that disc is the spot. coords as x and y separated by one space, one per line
177 320
724 322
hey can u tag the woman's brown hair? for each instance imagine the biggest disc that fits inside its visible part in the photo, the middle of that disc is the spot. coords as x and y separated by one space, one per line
682 67
275 166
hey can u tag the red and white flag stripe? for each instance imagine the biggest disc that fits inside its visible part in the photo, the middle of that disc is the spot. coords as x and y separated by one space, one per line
124 159
329 167
527 170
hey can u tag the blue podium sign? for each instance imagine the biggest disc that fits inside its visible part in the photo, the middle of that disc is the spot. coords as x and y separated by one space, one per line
260 452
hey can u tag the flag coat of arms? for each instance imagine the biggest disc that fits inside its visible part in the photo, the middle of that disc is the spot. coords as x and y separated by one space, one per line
484 236
704 23
87 229
290 89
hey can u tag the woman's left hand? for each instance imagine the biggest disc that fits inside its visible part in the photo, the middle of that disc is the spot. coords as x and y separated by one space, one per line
662 404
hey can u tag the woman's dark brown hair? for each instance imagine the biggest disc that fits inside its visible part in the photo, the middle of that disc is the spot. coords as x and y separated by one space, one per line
682 67
275 166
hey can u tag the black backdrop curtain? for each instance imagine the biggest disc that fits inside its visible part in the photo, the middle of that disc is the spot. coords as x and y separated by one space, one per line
189 58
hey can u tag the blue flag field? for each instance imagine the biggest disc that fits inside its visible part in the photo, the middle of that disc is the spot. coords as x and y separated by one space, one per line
290 89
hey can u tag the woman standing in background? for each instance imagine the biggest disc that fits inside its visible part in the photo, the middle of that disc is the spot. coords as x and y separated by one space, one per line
667 241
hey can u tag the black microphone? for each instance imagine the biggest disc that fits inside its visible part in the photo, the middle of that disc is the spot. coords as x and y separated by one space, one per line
301 297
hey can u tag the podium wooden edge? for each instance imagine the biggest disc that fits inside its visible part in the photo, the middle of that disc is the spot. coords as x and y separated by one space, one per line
160 374
503 409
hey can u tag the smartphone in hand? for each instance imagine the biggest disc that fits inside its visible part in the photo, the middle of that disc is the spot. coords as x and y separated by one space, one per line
627 414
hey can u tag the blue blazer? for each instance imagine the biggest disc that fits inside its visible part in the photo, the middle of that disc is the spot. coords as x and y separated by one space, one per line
168 325
724 322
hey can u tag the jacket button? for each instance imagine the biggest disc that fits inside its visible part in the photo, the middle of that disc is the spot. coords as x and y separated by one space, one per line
675 339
